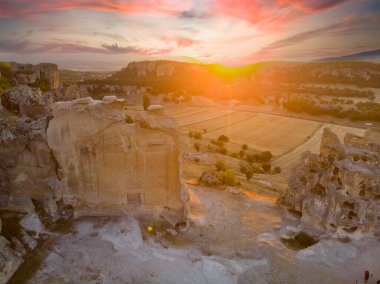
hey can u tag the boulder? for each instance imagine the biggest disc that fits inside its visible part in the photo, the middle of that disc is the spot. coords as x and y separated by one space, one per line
210 179
24 101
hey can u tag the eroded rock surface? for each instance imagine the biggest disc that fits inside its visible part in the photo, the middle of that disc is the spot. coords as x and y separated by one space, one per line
26 74
108 165
339 189
27 166
9 259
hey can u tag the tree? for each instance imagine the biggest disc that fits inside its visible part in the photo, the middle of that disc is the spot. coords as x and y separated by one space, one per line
249 174
266 167
146 101
220 166
244 147
197 147
229 178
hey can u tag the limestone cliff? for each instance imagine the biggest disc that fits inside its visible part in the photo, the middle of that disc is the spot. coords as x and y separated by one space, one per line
108 165
27 166
43 73
339 189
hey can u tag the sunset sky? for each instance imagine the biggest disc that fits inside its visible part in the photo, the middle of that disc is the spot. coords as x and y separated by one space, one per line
94 34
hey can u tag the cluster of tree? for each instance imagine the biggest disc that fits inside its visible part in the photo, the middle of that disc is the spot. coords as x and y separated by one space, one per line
42 83
361 111
333 92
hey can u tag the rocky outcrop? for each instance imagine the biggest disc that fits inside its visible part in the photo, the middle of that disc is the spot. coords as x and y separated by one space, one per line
339 189
27 166
108 165
9 260
43 73
24 101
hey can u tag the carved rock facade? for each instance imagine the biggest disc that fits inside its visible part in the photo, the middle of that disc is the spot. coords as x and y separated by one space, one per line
339 189
108 165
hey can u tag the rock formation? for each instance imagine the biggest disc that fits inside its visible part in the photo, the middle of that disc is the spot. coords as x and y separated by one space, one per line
26 74
108 165
27 166
9 260
339 189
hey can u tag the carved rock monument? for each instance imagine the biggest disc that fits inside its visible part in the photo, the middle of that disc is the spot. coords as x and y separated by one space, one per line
106 164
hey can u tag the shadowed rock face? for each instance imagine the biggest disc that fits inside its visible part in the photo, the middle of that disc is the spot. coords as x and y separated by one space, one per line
108 165
27 166
339 188
25 74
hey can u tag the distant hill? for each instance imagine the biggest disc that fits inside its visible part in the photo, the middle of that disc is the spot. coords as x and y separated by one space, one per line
373 56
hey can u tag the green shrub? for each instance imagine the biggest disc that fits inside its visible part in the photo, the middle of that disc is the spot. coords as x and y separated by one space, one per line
243 169
197 147
197 135
229 178
129 119
234 155
266 167
222 150
146 101
219 143
249 174
241 154
256 170
220 166
244 147
277 170
265 156
224 138
191 134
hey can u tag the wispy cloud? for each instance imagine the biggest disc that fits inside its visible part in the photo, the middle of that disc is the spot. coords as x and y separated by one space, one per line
67 48
11 8
110 35
180 41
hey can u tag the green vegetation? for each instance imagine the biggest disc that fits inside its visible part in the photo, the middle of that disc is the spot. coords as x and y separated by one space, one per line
197 135
224 138
220 166
129 119
146 101
4 84
222 150
229 178
361 111
266 167
197 147
263 157
244 147
249 174
277 170
42 83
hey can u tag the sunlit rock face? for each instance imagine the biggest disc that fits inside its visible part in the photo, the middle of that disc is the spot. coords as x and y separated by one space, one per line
107 165
340 188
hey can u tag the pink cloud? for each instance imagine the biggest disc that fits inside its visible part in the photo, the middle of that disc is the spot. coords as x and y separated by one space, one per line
272 14
11 8
180 41
312 5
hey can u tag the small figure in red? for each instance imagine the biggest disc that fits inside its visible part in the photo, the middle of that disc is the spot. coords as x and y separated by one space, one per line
366 275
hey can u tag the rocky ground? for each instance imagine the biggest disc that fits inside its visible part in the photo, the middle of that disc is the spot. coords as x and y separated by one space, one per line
233 239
